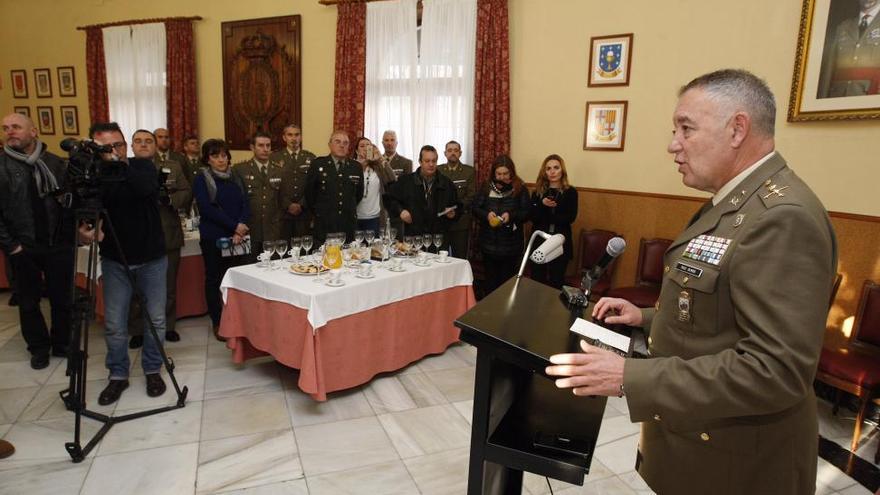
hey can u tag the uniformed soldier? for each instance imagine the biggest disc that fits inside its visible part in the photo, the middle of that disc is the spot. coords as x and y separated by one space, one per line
726 398
852 64
334 186
163 148
297 220
175 195
262 180
400 164
465 180
192 159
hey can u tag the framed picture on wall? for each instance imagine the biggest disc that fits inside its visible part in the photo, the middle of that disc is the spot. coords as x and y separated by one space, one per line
610 60
605 126
19 83
43 83
69 121
66 81
26 111
837 64
46 120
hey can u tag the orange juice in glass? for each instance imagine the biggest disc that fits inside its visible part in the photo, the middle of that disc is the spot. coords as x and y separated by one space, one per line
332 255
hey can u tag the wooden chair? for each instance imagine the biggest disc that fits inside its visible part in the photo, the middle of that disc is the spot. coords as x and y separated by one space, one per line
649 274
855 368
590 248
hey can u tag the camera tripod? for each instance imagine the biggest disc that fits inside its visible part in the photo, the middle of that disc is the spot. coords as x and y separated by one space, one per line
83 306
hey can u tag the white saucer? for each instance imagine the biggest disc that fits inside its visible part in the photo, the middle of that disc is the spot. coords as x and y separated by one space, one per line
330 283
416 263
438 260
372 275
401 269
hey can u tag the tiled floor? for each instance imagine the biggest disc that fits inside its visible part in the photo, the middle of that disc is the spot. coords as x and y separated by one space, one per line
249 430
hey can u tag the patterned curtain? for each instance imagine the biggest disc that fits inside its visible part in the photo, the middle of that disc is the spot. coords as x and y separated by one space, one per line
491 86
180 91
351 67
96 71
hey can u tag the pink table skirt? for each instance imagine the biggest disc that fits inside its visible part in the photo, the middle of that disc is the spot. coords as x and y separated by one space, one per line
348 351
190 289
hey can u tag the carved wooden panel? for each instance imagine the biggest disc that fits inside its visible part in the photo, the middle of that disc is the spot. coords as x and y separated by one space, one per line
261 77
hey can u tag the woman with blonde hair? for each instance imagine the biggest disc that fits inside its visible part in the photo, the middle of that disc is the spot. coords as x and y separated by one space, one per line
554 209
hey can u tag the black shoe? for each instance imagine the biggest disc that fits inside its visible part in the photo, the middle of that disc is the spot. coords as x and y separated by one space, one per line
136 342
112 391
13 299
172 336
40 361
59 351
155 385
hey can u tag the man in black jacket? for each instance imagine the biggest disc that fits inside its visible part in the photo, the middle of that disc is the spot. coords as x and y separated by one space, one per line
334 186
426 201
36 235
132 205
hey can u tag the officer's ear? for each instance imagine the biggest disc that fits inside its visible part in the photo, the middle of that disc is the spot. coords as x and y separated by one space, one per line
740 127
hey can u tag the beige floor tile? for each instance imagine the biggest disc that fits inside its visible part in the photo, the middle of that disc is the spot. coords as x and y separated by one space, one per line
243 415
426 430
389 478
160 471
343 445
248 461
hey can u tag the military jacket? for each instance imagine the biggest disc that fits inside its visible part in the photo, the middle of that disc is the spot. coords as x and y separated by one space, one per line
853 65
180 194
191 167
465 181
264 199
726 396
332 195
400 164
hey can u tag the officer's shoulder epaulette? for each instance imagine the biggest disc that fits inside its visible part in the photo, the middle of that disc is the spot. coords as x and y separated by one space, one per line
777 191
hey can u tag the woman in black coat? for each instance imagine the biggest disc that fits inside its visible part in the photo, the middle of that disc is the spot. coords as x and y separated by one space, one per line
554 209
502 207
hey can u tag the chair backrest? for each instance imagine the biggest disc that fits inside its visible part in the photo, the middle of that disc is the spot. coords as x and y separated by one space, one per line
650 267
866 328
592 247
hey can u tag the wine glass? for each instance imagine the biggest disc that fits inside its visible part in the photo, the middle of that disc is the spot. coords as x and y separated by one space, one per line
369 235
268 250
307 243
409 243
281 249
427 239
358 237
438 241
392 234
295 246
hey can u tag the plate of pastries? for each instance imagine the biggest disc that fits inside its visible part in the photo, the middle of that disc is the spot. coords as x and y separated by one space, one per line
307 269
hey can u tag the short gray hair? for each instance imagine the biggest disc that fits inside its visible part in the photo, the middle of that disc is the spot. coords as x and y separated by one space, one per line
740 88
389 131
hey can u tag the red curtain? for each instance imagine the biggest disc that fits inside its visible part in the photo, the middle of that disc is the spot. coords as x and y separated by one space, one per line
351 67
491 86
180 91
96 72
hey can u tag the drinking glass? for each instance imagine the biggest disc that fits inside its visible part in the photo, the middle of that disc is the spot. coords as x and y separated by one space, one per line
438 241
358 237
369 235
281 249
427 239
307 243
295 246
393 233
268 250
409 241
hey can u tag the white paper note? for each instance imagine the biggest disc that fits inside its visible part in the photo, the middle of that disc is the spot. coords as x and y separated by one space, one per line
595 332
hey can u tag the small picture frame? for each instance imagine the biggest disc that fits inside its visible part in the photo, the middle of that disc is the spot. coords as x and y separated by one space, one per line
605 126
69 120
46 120
610 60
19 83
66 81
26 111
43 83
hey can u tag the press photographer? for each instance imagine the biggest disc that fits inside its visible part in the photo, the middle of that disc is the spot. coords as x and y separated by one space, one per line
36 234
132 205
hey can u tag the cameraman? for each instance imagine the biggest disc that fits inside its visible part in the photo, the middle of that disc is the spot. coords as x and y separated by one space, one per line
132 204
174 195
36 234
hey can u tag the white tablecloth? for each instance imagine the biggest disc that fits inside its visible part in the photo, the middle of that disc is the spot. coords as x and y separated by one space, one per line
325 303
190 248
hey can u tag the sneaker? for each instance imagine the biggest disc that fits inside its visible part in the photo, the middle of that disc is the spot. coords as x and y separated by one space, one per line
172 336
155 385
112 391
136 342
40 361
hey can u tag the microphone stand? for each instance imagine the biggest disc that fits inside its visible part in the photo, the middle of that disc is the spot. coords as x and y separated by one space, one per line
525 258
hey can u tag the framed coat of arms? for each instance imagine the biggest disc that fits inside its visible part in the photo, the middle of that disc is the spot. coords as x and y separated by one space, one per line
261 77
610 60
605 127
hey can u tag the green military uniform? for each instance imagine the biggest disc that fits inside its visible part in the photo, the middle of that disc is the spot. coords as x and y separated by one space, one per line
726 397
400 164
264 199
293 186
465 180
191 167
852 67
332 194
180 195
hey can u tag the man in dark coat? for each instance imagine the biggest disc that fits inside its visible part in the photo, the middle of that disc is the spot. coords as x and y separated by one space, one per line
334 186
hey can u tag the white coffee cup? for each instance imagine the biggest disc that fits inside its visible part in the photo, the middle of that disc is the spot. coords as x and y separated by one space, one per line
423 258
335 276
443 255
366 270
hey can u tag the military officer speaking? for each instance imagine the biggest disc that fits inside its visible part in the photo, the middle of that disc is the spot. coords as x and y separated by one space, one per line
726 396
296 220
262 180
334 186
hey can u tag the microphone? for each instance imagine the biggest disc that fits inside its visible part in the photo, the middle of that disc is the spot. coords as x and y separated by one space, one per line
549 250
616 246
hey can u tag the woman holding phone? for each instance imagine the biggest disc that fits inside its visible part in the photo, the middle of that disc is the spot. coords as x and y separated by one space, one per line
554 209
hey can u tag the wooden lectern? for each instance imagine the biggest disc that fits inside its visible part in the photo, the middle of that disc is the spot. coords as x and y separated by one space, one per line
515 330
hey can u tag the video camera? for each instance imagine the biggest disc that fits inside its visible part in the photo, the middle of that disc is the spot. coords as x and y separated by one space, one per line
86 171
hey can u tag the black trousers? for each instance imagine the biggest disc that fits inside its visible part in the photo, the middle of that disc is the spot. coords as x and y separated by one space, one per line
30 267
499 269
215 269
552 274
